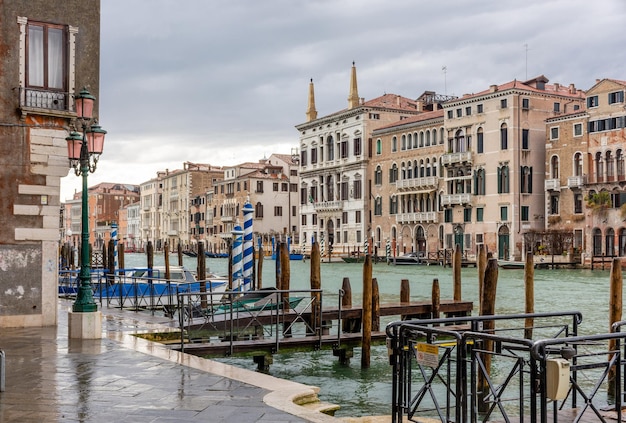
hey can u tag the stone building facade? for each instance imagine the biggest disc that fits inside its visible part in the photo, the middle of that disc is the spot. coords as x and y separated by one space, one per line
49 49
585 172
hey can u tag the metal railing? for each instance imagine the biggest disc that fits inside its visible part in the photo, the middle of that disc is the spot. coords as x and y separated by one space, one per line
444 368
261 314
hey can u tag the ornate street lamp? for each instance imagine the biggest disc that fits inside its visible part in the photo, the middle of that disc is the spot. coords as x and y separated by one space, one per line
84 151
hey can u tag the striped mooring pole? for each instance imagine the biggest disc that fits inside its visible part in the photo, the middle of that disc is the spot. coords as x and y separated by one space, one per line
366 247
248 245
388 250
237 257
114 238
322 244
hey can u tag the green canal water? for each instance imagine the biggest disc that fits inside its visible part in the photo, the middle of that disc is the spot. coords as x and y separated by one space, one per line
368 392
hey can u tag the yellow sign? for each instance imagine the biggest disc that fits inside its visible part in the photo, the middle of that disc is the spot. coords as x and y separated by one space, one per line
427 354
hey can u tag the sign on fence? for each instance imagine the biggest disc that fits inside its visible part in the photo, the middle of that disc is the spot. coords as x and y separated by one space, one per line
427 354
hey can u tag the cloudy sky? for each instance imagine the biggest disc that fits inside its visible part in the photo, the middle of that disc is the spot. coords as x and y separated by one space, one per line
226 81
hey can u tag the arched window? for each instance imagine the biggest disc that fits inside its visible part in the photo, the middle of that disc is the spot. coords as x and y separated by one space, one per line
527 180
599 168
404 142
610 166
554 167
441 136
503 179
480 147
434 166
479 182
378 206
578 164
258 210
415 140
393 173
427 167
378 176
619 161
427 138
422 139
409 141
422 169
597 242
330 148
403 171
394 144
609 242
459 141
504 139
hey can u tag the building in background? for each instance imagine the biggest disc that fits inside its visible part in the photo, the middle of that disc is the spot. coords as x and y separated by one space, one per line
271 187
406 177
493 167
336 156
585 173
179 189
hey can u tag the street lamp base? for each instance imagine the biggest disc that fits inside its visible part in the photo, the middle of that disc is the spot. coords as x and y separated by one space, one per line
85 325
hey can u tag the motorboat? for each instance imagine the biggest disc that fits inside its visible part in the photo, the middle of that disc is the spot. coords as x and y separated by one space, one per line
145 287
408 258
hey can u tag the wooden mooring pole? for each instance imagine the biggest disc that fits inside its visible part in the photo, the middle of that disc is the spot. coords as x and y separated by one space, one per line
259 268
366 342
487 308
435 299
316 283
615 312
120 256
150 255
375 306
166 257
529 285
481 265
456 264
179 250
405 295
201 270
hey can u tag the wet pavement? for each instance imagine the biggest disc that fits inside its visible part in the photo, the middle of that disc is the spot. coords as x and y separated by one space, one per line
123 378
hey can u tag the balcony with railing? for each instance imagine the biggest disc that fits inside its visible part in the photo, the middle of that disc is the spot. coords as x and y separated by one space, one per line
454 199
417 183
37 98
576 181
329 206
455 158
227 219
553 185
417 217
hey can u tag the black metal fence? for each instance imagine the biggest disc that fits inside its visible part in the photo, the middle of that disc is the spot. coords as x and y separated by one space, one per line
455 370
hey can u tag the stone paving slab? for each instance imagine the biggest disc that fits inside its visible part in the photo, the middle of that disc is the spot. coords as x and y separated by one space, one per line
122 378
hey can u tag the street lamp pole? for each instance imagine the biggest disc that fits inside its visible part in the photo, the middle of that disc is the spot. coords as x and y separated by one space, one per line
83 152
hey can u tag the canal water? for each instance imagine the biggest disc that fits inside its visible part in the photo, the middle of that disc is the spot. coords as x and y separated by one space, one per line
368 392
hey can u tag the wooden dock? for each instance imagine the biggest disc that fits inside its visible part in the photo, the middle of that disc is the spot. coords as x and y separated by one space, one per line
255 342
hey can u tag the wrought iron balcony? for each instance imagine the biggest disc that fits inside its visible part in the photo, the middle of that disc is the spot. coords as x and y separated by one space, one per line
34 98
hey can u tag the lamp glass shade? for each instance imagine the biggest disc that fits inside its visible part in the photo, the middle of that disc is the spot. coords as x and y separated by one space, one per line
84 104
95 139
74 144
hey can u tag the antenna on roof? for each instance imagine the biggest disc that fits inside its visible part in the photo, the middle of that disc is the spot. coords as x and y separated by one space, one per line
444 68
526 51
